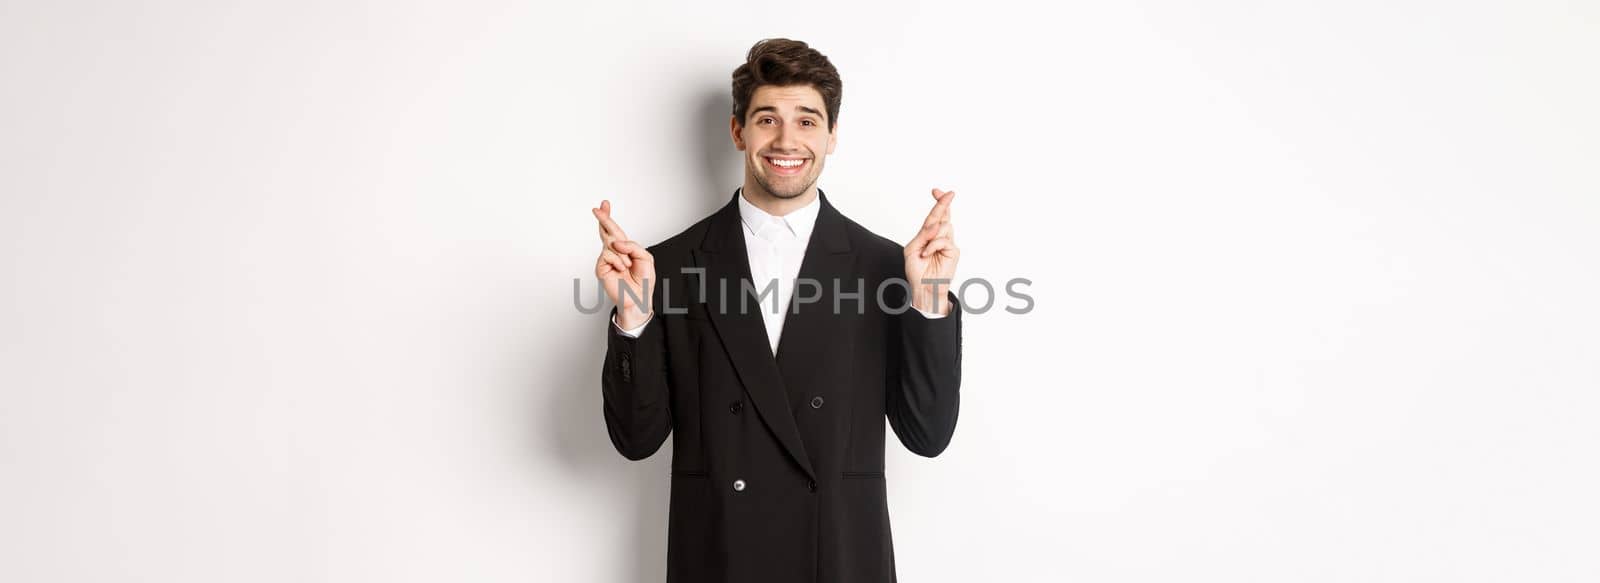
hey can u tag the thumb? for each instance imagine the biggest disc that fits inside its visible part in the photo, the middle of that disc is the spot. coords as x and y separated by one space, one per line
631 249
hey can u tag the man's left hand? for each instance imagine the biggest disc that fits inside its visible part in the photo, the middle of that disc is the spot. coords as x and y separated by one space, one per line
931 256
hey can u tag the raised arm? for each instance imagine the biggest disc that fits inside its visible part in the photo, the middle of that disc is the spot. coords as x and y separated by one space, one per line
633 382
925 378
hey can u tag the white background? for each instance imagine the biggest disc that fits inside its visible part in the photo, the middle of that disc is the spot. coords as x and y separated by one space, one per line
288 285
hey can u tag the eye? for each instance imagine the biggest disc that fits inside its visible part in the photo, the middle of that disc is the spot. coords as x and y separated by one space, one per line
808 122
766 120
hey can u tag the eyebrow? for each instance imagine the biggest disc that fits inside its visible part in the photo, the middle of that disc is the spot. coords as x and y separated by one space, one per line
775 110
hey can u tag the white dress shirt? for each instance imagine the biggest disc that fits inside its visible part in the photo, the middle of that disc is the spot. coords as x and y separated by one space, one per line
775 246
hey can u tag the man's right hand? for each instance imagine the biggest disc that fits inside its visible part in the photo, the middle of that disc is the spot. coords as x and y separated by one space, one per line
626 271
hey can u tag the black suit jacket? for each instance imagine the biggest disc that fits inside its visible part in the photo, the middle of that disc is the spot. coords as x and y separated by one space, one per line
777 467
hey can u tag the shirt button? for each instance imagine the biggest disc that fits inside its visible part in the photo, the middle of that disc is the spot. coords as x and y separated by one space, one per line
816 402
738 485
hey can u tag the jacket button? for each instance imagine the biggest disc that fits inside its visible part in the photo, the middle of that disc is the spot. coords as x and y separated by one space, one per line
626 364
811 485
816 402
736 407
738 485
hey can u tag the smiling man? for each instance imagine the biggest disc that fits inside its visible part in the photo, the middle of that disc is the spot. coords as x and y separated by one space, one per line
772 340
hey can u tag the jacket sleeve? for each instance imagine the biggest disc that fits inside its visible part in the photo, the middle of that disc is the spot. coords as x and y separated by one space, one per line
925 379
635 390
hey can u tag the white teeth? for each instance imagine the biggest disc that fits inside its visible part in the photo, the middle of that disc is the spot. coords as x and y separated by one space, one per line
785 163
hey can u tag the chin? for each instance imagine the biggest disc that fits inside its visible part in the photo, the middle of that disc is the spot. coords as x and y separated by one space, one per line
786 195
786 191
783 193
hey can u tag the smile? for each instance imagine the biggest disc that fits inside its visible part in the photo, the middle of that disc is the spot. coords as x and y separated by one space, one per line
785 166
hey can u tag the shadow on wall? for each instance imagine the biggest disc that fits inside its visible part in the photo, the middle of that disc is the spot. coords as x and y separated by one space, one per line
574 414
723 165
637 490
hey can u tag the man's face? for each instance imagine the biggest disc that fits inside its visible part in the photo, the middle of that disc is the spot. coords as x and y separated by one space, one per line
785 138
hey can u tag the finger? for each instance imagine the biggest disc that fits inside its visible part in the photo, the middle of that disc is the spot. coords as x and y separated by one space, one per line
947 230
600 224
613 229
941 209
922 237
916 245
618 261
949 205
944 205
610 225
930 231
620 256
934 212
632 250
608 268
937 246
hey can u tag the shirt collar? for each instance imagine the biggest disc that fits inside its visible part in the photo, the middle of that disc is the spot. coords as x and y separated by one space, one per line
799 222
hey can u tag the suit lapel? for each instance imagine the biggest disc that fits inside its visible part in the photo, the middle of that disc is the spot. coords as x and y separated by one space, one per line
814 331
723 256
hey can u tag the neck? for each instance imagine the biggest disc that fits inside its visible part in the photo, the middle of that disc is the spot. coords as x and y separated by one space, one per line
773 205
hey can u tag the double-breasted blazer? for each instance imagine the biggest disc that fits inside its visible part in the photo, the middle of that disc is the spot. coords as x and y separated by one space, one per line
778 461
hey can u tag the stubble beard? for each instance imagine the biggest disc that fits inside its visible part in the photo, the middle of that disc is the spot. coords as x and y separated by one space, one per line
811 180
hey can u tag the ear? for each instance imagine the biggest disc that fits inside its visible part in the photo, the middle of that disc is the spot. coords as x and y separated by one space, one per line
734 127
833 137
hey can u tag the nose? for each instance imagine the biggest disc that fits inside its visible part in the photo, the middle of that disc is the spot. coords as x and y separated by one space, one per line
785 141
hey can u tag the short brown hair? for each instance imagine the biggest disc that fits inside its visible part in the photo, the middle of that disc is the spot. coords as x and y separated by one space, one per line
783 62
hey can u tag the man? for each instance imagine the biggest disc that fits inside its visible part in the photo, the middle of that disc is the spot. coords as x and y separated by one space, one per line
774 344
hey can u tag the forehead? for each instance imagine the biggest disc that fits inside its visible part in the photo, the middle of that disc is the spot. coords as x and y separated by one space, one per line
787 97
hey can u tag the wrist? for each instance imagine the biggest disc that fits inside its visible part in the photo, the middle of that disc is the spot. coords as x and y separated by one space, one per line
631 318
934 301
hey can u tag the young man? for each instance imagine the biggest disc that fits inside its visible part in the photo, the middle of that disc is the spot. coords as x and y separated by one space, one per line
771 340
